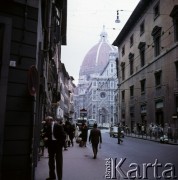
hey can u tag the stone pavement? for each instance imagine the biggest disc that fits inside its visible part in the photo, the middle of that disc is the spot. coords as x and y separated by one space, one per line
78 164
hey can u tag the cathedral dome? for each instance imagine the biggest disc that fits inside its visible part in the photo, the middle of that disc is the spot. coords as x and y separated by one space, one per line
97 57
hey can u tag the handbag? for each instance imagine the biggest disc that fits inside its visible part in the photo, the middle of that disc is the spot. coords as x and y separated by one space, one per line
78 140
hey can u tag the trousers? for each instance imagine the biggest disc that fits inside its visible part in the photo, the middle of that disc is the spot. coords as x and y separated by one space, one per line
55 158
95 149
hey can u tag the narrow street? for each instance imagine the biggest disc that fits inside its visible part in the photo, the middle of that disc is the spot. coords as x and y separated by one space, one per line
79 163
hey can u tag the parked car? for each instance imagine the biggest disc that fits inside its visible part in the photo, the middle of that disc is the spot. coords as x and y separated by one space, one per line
114 132
90 123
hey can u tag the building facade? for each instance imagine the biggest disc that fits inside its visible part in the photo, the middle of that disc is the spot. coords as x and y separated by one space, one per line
100 94
65 107
97 83
31 35
147 68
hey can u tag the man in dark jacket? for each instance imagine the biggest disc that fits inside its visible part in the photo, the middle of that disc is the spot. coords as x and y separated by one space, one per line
119 134
55 137
95 138
84 135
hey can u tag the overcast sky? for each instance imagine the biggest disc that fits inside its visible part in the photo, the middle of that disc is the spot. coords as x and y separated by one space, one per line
85 22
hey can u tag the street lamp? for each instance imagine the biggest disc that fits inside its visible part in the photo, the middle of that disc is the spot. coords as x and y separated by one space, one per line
117 19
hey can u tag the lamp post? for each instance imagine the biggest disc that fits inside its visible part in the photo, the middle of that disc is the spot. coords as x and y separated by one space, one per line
117 18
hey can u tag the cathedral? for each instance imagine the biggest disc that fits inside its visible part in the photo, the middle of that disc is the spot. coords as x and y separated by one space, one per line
97 84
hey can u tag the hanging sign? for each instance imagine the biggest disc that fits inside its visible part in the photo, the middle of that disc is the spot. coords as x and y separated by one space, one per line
83 112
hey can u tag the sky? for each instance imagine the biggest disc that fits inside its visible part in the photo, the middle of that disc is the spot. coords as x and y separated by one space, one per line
85 21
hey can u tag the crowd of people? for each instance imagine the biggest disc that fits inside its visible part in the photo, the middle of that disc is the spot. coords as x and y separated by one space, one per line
57 135
152 130
163 133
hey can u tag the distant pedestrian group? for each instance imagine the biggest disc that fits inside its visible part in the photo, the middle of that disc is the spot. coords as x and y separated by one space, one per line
56 135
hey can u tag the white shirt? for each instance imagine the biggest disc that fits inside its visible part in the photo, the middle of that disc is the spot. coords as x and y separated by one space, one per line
52 126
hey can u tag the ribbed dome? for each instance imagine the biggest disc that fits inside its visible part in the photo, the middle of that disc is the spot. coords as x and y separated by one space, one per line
97 57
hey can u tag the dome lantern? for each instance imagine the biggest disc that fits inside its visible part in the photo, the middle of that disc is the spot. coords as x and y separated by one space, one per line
104 35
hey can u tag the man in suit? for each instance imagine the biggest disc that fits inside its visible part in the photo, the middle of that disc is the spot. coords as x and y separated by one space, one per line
95 138
55 137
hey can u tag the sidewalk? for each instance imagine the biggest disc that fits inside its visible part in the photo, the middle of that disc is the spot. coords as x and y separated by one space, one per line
78 164
144 137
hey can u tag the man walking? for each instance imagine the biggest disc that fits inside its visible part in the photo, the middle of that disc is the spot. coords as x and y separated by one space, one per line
84 134
55 137
95 138
119 133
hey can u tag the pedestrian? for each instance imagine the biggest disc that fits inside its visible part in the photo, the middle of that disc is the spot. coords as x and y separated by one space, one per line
126 129
95 138
55 137
139 128
67 131
142 130
71 133
61 122
150 130
76 132
119 134
84 134
169 132
42 142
